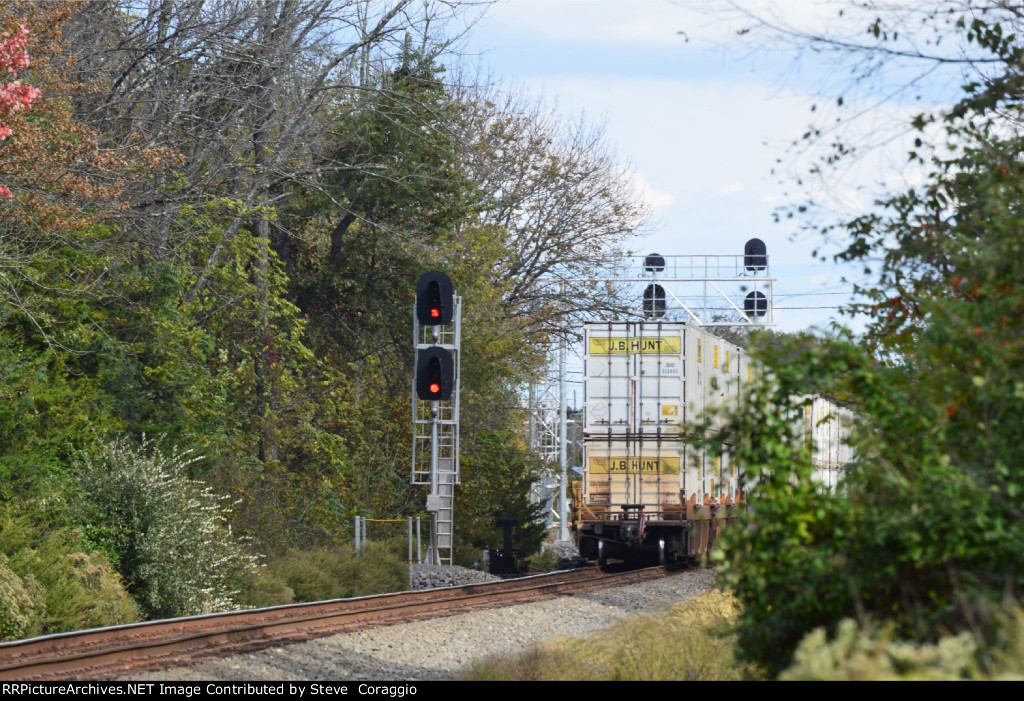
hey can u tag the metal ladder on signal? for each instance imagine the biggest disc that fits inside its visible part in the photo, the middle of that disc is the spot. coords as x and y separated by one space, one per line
445 515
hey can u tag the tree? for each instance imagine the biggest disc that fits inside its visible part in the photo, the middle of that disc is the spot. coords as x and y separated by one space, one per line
563 201
240 89
399 201
245 93
497 474
14 96
55 261
927 532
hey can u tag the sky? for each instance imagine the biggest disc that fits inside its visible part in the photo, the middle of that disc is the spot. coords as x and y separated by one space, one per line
700 119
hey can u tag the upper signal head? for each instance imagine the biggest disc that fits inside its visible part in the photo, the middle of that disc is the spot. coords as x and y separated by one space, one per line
435 299
755 255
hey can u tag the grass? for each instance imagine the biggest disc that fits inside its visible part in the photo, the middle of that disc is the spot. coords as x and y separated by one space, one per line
689 642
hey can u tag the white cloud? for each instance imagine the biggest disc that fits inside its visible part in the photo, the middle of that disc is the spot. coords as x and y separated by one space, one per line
656 199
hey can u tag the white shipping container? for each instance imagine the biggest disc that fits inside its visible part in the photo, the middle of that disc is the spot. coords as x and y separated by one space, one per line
723 370
647 378
826 425
642 381
635 379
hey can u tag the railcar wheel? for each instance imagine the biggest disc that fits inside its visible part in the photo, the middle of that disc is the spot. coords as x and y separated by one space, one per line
601 559
661 552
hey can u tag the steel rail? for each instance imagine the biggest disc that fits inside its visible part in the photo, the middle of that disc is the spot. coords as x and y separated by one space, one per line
104 652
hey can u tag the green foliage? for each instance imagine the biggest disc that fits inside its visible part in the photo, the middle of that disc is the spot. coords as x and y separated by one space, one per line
927 533
49 580
268 589
167 533
871 654
910 538
52 402
16 602
317 575
467 555
80 590
47 412
1002 656
544 561
496 477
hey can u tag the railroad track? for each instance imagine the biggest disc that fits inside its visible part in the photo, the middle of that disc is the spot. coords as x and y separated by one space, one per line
103 653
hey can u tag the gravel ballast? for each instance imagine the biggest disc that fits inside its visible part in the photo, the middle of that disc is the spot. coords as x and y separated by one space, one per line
436 649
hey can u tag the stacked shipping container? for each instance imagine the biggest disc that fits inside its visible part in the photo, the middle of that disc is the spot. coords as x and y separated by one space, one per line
642 382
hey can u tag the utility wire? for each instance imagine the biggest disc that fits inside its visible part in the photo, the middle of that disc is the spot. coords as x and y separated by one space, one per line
824 307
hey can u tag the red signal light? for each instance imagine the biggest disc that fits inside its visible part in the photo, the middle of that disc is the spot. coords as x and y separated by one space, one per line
435 388
435 299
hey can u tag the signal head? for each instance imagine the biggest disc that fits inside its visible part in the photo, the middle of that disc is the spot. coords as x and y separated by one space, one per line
654 301
435 299
755 304
435 374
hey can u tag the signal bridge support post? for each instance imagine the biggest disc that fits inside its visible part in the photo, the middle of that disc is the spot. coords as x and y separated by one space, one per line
563 526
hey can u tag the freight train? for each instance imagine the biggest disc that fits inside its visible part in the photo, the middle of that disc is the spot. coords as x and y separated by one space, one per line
646 495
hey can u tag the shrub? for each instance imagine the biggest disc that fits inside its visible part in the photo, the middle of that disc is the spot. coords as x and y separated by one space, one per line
379 569
316 575
268 589
167 533
873 653
17 605
62 585
80 590
312 575
545 561
1003 657
467 555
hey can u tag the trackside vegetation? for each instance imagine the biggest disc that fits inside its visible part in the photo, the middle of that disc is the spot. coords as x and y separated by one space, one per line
696 641
922 547
212 219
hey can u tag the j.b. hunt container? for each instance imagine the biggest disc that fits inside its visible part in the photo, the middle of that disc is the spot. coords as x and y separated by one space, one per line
668 478
643 380
645 491
647 378
650 500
